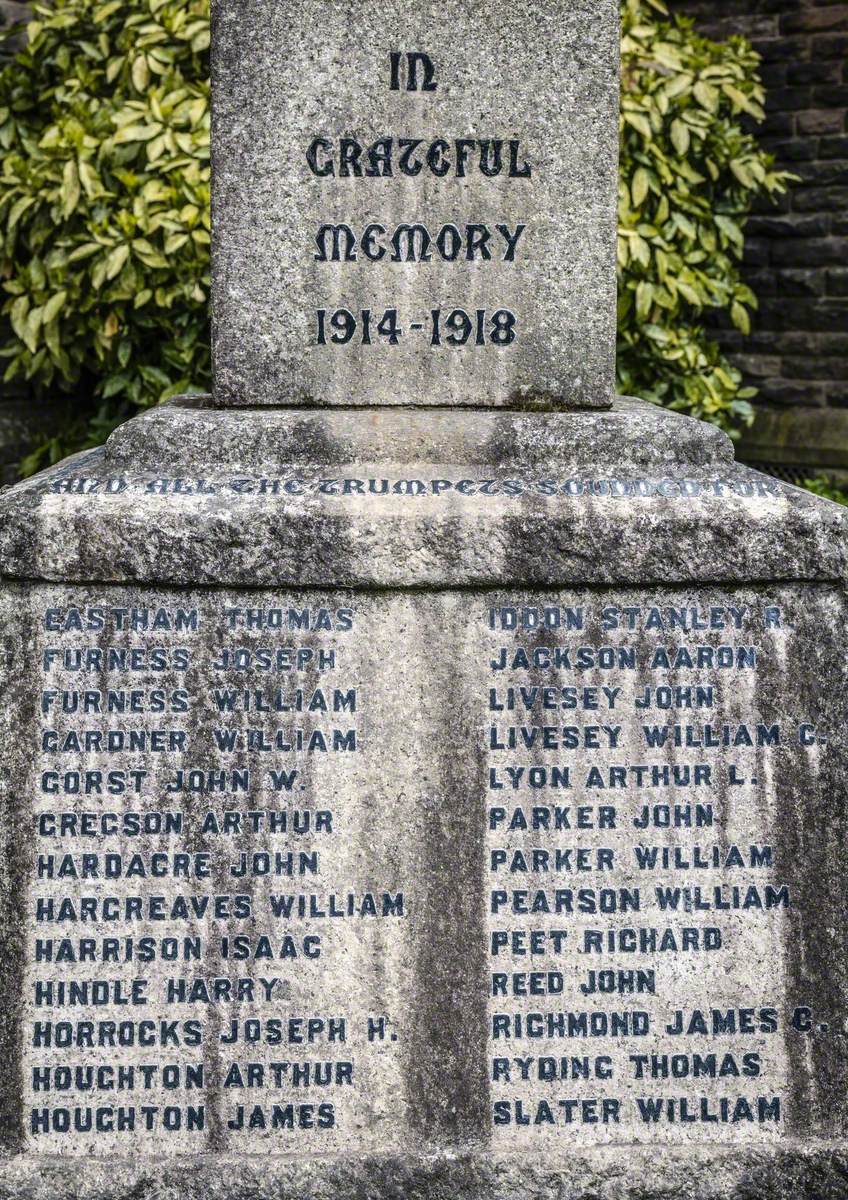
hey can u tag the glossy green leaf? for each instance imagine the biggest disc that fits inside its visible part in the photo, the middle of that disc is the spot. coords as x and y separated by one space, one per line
70 191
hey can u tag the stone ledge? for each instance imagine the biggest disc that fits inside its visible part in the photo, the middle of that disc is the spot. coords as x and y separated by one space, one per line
416 525
396 499
190 433
812 1171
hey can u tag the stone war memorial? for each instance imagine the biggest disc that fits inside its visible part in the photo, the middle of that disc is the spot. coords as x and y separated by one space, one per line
423 772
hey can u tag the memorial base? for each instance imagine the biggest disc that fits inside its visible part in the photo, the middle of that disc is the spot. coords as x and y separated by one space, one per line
504 753
795 1172
191 494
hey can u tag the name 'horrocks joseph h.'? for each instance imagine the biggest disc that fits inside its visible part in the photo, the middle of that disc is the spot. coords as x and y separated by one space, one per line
422 772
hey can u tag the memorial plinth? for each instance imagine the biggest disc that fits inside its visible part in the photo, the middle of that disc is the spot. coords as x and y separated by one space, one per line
414 203
412 792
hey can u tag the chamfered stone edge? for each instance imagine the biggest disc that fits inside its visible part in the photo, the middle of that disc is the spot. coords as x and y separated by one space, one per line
189 494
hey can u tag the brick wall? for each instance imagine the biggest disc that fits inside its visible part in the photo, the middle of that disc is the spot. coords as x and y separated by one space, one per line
12 11
796 255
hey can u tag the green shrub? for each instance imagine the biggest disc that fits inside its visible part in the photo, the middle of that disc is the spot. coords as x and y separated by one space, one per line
689 176
104 205
821 485
104 208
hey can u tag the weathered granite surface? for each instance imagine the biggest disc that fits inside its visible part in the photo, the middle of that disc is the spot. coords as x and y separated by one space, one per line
390 499
417 747
498 608
529 89
401 800
804 1172
190 430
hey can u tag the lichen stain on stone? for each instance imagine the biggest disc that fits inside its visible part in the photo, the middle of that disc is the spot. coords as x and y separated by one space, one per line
446 1055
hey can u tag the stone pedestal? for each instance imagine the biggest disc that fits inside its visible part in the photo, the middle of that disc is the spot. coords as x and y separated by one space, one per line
414 204
432 803
422 775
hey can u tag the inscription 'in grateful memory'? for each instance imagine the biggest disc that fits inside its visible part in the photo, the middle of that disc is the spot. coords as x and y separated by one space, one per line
459 240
